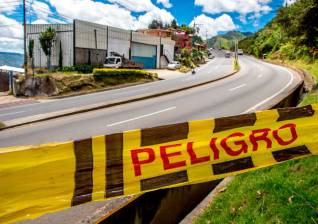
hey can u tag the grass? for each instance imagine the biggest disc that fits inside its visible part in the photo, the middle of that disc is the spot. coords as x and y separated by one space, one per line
2 125
236 65
311 68
286 193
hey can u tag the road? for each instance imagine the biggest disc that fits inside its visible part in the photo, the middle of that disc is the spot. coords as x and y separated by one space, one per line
255 87
215 69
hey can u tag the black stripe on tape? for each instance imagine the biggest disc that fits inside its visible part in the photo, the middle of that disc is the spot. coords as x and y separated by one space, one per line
291 153
84 172
168 133
114 165
232 166
227 123
294 113
164 180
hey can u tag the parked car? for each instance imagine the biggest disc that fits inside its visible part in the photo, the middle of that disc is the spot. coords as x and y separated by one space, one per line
174 65
121 62
227 54
240 52
113 62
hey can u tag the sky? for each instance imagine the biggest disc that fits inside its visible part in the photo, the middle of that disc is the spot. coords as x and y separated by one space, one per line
211 16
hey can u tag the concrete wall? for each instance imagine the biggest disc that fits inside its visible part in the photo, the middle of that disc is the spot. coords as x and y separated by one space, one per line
93 42
64 35
119 41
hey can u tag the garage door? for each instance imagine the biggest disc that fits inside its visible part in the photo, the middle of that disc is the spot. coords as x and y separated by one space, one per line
147 54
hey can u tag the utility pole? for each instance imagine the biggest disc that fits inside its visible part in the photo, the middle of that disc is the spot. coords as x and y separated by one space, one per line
24 41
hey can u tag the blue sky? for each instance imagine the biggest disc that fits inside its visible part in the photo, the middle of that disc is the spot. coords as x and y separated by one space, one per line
211 16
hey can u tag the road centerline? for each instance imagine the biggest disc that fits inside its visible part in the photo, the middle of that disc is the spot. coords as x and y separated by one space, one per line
142 116
237 87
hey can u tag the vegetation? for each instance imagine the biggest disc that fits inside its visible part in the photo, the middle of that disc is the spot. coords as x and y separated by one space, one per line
122 75
291 35
286 193
226 41
191 58
81 69
2 125
46 40
73 83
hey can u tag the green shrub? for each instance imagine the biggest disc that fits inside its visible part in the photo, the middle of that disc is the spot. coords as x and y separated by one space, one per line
118 76
83 69
2 125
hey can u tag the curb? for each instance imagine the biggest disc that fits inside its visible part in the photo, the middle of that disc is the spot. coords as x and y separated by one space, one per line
69 112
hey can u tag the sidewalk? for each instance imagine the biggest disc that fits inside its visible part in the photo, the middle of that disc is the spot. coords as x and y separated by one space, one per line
167 74
9 101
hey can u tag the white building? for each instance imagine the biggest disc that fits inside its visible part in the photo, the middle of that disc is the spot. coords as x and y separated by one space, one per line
90 43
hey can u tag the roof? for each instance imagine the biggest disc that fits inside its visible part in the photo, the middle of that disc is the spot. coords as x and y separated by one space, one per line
11 69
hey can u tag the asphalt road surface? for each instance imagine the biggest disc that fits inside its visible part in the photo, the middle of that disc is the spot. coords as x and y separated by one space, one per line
215 69
255 87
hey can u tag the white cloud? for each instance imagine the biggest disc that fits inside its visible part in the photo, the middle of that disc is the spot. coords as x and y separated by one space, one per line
289 2
42 10
7 6
157 14
165 3
239 6
110 14
11 36
135 5
210 27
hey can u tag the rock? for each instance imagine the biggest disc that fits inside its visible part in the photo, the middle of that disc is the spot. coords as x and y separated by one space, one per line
36 86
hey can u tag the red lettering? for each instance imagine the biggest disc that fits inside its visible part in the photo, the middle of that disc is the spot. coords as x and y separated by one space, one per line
193 157
165 157
215 150
260 135
229 150
137 162
293 132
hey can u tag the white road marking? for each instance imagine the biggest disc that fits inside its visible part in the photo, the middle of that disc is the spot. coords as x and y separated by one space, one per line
238 87
253 109
18 112
142 116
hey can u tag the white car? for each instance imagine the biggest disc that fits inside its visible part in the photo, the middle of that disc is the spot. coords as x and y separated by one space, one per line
240 52
174 65
113 62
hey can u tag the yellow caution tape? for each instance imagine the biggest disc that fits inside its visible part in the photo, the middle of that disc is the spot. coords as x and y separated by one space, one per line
39 179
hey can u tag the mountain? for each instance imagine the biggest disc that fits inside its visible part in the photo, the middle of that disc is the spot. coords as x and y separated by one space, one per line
226 41
291 35
11 59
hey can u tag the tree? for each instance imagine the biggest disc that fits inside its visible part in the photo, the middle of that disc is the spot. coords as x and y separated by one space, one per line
31 48
61 56
46 40
187 29
155 24
174 24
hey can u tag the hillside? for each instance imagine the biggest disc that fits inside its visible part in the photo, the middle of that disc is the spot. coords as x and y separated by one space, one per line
226 41
11 59
291 35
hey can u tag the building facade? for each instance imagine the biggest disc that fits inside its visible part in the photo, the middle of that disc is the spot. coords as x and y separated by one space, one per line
90 43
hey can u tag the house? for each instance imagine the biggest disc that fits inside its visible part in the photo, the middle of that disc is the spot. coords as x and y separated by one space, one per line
90 43
181 38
